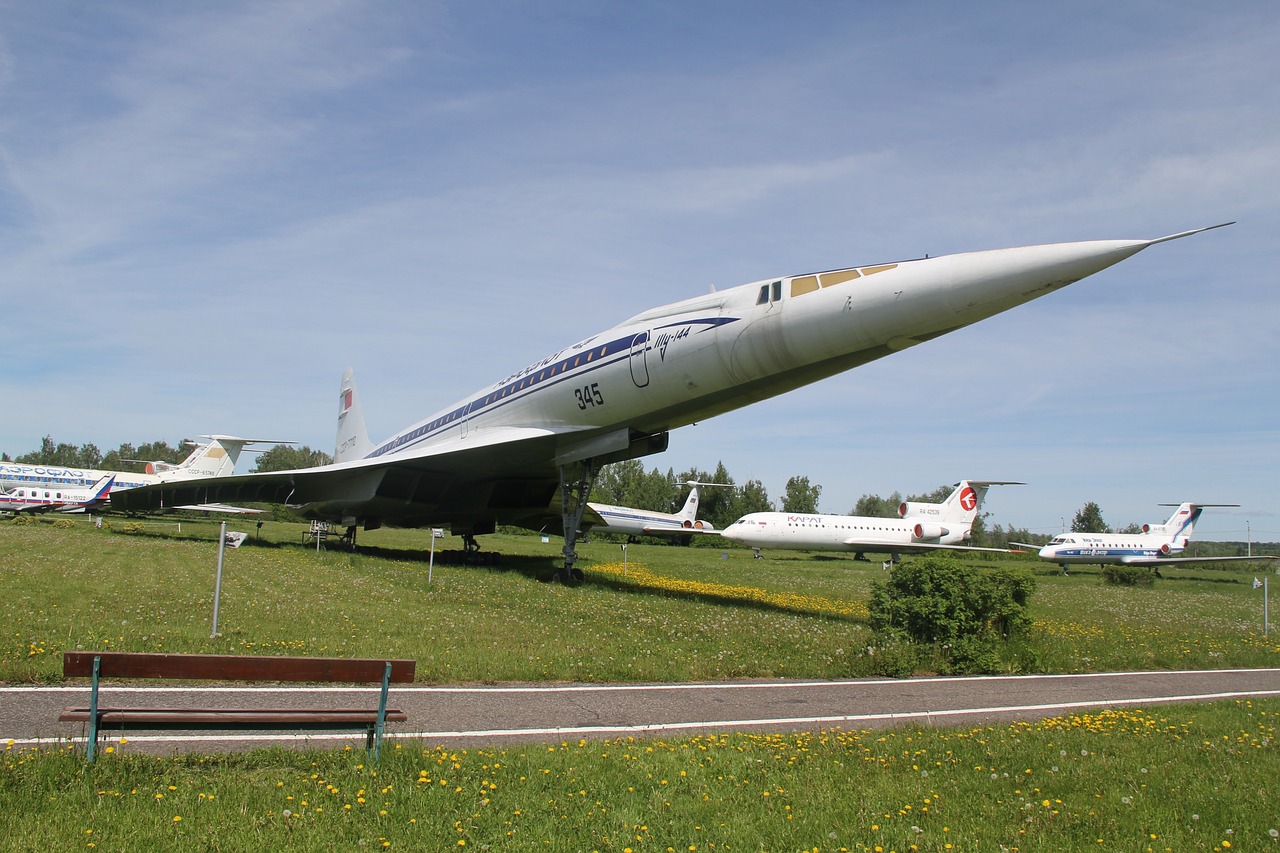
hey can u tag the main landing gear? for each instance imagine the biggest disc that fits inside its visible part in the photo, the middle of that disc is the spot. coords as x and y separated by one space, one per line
576 481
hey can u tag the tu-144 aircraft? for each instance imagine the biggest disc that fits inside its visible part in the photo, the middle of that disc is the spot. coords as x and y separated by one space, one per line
920 527
526 450
1156 545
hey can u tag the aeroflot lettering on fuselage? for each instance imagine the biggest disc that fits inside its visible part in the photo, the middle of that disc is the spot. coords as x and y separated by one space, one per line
42 472
552 371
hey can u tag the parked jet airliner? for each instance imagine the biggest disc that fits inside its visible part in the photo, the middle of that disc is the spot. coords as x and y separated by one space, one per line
647 522
526 449
56 499
215 458
1156 545
920 527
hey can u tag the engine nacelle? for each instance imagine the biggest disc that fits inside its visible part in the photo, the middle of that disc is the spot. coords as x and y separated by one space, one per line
925 530
698 524
914 509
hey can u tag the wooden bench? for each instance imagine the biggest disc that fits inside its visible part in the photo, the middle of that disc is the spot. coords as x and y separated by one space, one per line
99 665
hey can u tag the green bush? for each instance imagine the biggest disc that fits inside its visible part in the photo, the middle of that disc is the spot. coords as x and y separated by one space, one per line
1128 576
967 612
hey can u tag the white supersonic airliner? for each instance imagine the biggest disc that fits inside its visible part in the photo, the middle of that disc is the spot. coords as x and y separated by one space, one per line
920 527
526 449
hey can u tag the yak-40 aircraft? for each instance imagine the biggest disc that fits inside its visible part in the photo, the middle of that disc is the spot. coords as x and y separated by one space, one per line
30 499
1156 545
526 450
919 527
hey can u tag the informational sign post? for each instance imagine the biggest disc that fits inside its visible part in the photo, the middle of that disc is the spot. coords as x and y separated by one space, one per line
436 533
217 583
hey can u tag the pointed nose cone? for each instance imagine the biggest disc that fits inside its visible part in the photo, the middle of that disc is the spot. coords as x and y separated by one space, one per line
1046 553
997 280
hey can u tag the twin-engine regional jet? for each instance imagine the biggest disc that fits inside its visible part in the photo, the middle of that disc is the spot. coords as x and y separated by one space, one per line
920 527
526 450
1155 546
55 499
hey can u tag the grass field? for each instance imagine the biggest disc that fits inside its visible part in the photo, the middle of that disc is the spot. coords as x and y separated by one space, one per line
673 614
1185 777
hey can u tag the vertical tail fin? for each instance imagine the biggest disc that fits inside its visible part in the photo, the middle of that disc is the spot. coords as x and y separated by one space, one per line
215 458
209 459
1180 525
961 506
101 488
689 512
353 439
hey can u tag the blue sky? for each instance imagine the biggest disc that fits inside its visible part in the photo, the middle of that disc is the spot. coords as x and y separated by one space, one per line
208 211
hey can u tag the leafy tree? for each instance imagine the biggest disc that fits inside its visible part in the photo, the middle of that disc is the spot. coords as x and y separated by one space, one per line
750 497
874 506
1089 520
286 457
800 496
130 458
84 456
937 496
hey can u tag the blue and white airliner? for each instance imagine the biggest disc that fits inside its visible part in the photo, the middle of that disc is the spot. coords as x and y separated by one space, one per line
216 457
1156 545
32 499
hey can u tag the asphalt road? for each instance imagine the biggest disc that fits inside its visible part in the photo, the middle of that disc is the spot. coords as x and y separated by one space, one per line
495 716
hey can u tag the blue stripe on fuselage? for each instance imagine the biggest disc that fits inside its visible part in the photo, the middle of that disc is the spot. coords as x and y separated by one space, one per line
547 376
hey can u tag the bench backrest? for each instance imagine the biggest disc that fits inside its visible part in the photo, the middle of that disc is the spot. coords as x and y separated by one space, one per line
235 667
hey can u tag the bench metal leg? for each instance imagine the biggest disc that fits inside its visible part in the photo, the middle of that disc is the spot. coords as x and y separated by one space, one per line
374 740
92 745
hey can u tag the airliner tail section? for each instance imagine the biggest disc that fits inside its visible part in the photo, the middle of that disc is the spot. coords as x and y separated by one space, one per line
689 512
353 438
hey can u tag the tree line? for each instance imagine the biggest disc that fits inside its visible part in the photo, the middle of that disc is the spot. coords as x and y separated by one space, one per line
622 484
134 458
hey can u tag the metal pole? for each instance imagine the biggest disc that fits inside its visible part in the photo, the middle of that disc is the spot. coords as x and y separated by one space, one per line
430 564
624 559
1264 606
217 584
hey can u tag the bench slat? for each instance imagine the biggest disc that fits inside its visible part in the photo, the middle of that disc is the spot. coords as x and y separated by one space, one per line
233 718
235 667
